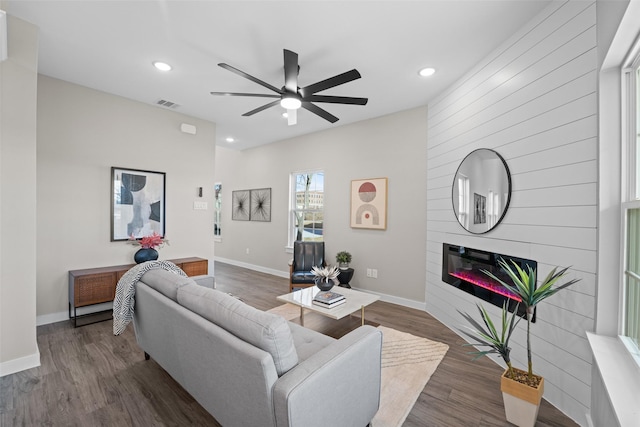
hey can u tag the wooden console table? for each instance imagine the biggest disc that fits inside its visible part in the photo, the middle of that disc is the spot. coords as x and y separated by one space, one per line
98 285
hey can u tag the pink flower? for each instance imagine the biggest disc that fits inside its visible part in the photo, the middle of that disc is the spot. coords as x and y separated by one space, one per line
149 242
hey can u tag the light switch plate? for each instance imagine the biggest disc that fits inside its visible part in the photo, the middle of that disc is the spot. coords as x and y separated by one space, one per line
200 206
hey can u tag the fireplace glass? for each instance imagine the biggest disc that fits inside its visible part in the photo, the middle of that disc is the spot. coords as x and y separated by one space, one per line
464 268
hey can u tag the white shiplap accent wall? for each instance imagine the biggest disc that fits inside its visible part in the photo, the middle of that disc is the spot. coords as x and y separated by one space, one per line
534 102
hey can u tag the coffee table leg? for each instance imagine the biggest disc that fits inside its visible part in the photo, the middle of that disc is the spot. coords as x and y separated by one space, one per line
301 316
362 314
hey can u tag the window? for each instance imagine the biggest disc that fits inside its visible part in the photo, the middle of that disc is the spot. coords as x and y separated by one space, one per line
463 201
217 213
306 220
630 298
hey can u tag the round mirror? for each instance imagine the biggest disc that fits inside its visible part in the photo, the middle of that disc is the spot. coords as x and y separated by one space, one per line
481 191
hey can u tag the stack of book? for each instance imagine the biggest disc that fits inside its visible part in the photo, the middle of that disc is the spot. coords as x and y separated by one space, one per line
328 299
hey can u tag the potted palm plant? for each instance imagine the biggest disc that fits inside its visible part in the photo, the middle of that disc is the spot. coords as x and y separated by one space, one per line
521 390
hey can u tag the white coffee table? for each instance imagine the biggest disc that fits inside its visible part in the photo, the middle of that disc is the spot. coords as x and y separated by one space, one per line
356 300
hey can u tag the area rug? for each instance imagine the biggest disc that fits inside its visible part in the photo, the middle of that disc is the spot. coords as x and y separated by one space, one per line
408 362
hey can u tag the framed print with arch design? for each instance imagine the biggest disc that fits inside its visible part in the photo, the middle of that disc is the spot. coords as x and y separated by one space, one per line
369 203
261 204
240 205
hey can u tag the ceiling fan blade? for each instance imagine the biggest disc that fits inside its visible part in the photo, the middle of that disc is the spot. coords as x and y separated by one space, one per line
261 95
319 111
264 107
291 71
250 77
337 99
292 117
330 82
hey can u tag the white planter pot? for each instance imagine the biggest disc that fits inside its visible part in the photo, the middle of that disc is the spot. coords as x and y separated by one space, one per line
521 402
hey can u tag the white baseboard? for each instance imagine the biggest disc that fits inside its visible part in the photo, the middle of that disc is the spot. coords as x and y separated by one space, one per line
20 364
285 274
589 420
46 319
261 269
62 316
397 300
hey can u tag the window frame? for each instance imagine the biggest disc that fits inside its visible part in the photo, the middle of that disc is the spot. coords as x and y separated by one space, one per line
292 227
630 183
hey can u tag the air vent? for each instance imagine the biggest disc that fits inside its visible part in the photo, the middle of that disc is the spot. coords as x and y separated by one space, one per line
167 104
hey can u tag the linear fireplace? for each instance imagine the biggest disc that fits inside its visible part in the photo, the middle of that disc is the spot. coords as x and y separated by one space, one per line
463 267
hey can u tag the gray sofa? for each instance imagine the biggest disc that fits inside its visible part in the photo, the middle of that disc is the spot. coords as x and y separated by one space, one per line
252 368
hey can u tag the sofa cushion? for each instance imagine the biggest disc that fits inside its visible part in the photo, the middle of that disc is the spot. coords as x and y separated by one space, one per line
165 282
266 331
308 342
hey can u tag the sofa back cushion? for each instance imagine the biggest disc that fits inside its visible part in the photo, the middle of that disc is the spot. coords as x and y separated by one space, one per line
165 282
266 331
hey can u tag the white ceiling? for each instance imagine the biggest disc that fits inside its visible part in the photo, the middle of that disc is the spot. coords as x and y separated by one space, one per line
110 45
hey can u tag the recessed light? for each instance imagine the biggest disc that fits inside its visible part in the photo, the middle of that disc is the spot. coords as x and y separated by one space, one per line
230 140
162 66
426 72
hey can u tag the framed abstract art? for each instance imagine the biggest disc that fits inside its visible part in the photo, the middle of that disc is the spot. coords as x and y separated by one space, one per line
240 201
261 204
137 203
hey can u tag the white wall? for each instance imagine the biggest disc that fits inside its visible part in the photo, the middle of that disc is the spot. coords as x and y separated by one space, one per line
534 100
82 133
393 146
18 85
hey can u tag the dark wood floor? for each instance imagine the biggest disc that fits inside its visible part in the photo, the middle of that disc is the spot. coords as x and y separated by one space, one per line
88 377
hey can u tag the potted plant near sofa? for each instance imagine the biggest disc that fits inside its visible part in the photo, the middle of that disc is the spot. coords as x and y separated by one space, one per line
343 258
521 390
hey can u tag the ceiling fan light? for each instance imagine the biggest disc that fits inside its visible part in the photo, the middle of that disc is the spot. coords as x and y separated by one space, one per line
290 103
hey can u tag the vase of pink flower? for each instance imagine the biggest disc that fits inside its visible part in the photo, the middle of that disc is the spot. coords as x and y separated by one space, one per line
148 244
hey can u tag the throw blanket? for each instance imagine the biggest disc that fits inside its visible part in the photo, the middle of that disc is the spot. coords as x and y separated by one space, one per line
125 291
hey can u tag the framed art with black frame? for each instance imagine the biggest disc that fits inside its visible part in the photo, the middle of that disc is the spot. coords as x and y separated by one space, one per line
137 203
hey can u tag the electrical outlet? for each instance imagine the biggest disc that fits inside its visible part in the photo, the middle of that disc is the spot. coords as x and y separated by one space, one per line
247 251
374 273
369 272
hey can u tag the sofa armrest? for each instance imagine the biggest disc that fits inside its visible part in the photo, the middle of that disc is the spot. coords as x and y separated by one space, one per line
337 386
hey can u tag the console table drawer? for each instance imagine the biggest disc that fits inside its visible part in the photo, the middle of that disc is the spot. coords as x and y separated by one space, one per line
195 268
95 289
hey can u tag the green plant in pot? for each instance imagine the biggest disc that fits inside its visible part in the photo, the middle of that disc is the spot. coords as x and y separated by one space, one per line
343 258
521 390
488 336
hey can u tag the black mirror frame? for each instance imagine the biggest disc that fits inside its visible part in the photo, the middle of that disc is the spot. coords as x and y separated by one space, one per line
506 206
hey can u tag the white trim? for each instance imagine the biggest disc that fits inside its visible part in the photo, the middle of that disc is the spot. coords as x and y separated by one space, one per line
253 267
418 305
46 319
632 348
620 375
4 52
20 364
62 316
589 420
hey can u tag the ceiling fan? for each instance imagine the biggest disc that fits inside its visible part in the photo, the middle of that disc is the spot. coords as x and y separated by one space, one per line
292 97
